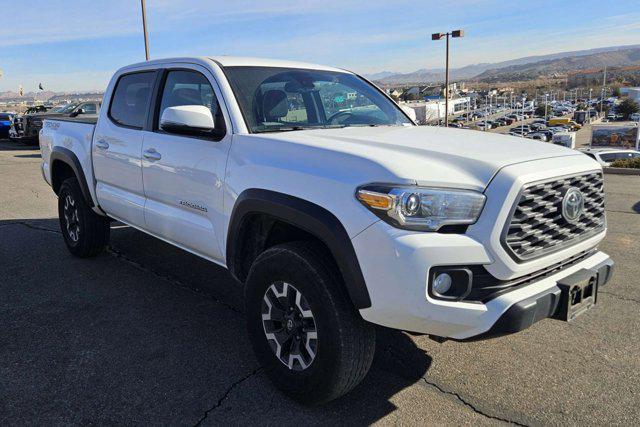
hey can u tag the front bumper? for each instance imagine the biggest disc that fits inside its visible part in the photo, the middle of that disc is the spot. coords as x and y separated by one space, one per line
396 265
525 313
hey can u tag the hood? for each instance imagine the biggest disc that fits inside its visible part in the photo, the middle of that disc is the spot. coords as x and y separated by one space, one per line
428 155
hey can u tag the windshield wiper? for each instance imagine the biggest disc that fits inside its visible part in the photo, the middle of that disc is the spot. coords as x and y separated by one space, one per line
282 129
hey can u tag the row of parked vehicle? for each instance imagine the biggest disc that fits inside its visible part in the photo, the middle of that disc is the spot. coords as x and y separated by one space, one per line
26 127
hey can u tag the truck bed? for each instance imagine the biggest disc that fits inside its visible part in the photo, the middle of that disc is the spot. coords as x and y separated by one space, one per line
92 119
65 136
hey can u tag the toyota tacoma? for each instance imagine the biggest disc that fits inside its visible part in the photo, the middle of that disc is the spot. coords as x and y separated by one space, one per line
333 208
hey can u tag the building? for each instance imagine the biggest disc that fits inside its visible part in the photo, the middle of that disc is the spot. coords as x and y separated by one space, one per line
431 111
632 93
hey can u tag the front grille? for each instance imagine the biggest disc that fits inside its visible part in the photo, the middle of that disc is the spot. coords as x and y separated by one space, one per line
537 226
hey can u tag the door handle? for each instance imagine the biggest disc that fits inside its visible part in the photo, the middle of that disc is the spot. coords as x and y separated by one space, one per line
101 143
152 154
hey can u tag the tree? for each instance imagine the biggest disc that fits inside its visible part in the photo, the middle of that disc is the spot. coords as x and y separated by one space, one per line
540 110
627 108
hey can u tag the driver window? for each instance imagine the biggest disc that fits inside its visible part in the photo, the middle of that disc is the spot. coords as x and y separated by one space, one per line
183 87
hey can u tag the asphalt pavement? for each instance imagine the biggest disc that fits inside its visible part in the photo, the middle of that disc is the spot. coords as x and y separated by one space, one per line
148 334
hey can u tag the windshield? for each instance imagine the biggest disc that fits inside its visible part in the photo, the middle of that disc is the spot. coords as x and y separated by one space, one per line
5 116
280 99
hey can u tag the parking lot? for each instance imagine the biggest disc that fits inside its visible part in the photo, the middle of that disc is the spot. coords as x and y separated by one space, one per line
149 334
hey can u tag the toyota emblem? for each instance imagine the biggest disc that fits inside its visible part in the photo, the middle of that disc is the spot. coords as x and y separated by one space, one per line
572 205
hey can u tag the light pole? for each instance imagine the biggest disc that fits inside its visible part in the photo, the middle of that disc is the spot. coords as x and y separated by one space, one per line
589 106
522 121
604 82
439 36
144 28
546 103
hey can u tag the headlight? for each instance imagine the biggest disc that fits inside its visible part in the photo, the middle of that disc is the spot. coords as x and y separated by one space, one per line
36 122
422 208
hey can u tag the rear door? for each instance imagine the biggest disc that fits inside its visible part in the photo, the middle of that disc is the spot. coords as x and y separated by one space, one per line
184 174
117 148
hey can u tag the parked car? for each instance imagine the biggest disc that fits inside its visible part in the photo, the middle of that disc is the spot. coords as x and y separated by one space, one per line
605 156
522 128
26 127
635 117
5 124
334 215
518 132
540 136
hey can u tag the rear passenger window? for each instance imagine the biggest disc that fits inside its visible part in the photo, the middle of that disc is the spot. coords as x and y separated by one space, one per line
131 99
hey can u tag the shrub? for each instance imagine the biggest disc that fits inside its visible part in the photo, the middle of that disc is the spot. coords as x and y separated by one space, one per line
627 163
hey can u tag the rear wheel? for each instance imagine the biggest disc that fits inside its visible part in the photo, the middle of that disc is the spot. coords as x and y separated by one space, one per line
85 233
305 332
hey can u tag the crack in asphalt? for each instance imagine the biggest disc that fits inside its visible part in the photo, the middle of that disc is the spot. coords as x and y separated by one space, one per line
622 212
390 350
226 394
470 405
139 266
120 255
620 297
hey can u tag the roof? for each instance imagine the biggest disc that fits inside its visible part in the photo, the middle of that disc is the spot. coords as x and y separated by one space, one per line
240 61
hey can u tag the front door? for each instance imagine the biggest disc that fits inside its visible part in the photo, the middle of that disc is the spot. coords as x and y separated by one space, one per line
183 174
117 147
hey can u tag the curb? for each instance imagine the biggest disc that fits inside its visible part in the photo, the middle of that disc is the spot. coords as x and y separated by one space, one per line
621 171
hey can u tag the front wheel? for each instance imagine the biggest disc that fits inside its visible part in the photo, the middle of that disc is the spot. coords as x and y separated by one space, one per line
305 332
85 233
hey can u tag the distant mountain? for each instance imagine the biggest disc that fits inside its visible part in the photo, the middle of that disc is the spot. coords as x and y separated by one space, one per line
436 75
380 75
43 95
550 67
40 96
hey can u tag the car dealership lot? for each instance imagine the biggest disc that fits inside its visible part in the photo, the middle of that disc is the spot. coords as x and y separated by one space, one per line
150 334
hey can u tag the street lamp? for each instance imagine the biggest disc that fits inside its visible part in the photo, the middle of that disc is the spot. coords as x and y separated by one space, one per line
439 36
546 103
144 29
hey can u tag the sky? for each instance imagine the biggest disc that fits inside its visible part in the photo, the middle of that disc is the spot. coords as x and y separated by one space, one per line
76 45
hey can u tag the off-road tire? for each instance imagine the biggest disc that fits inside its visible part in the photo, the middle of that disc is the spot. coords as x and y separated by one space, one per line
345 342
85 233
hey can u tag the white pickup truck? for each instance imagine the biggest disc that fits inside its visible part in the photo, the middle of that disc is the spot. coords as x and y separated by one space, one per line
333 208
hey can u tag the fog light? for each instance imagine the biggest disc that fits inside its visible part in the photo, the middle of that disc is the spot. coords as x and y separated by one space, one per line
450 283
442 283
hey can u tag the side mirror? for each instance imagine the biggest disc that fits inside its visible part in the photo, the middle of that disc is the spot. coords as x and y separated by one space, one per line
409 112
77 112
187 119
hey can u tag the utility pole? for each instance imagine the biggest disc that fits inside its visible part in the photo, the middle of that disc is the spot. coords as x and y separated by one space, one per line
439 36
144 28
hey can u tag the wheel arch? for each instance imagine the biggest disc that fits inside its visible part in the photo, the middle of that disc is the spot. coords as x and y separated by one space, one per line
62 161
311 219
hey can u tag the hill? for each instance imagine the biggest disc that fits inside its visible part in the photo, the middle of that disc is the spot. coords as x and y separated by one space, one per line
619 55
554 67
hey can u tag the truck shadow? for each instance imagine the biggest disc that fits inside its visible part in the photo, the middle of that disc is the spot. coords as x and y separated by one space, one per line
8 145
173 312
